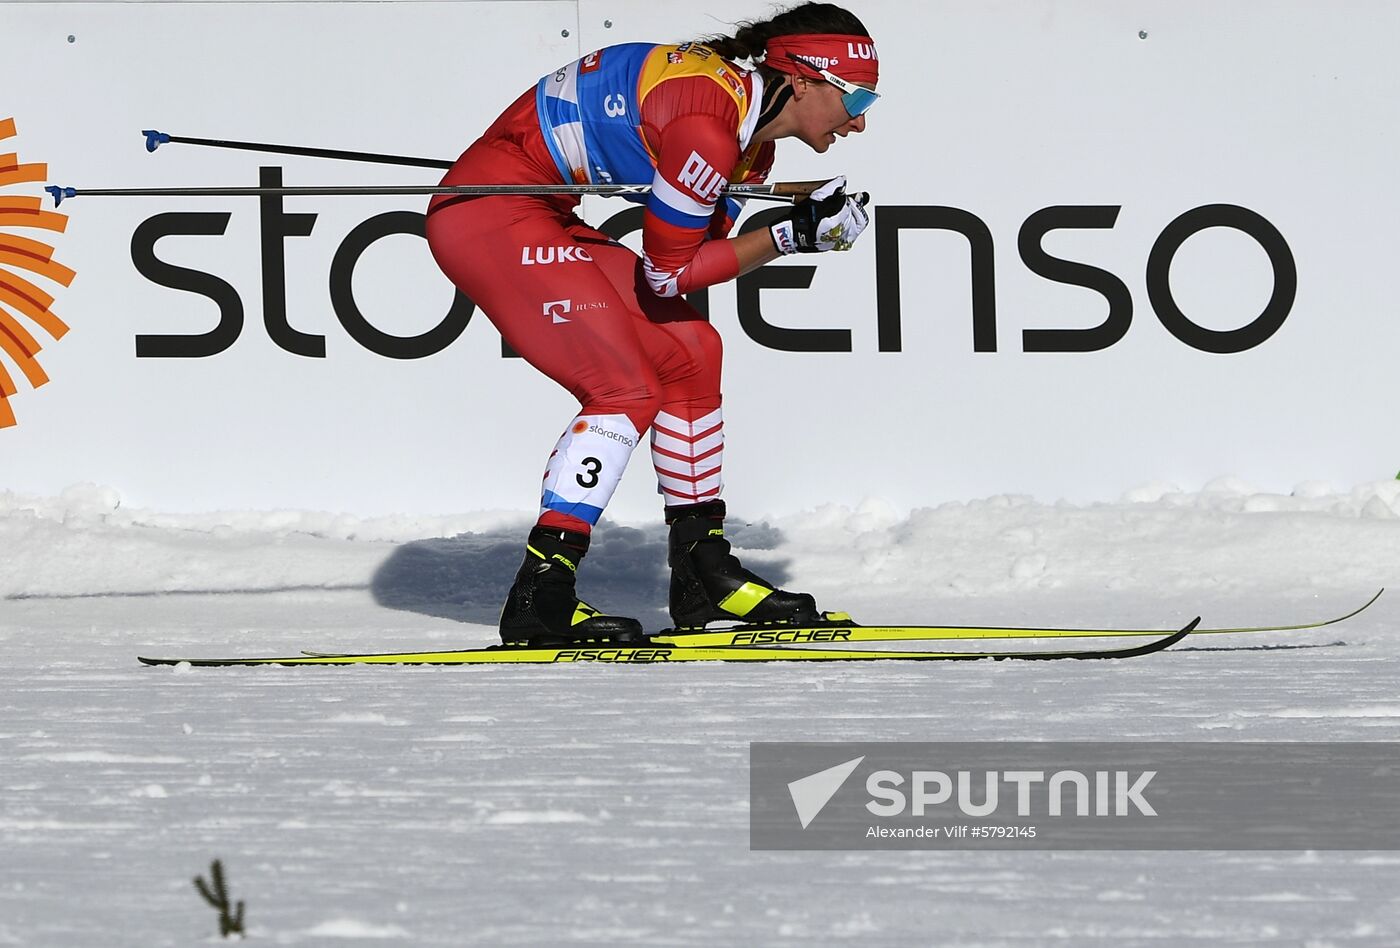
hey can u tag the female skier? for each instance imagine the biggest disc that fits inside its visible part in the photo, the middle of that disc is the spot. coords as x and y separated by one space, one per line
612 327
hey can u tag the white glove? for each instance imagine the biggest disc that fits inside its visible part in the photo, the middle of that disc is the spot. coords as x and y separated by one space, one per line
828 219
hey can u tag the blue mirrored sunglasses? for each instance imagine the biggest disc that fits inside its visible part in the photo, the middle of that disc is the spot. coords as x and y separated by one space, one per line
856 99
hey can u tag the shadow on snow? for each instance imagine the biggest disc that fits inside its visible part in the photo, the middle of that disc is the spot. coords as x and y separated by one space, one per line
625 573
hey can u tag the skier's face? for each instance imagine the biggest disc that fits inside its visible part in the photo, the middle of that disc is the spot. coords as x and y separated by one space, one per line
822 113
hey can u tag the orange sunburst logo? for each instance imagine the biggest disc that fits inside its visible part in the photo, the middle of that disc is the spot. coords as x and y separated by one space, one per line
18 295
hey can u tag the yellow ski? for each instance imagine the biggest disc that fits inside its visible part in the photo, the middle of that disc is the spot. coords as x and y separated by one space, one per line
841 630
652 654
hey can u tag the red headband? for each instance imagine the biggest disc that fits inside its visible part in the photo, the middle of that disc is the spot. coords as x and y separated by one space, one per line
852 58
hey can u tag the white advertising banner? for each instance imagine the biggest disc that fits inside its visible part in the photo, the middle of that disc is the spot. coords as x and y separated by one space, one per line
1113 244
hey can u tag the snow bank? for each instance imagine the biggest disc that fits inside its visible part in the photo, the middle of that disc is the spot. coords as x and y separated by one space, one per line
86 542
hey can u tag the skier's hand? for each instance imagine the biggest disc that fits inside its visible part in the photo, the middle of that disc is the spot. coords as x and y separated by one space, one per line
829 219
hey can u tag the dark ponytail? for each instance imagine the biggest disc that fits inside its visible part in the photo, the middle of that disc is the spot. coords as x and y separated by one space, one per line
752 36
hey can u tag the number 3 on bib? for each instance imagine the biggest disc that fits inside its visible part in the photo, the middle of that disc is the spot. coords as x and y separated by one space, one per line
593 466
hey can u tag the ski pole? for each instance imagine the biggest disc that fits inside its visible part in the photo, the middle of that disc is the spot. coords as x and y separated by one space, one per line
155 139
781 191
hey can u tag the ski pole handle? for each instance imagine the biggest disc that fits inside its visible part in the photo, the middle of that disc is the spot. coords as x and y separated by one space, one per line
797 190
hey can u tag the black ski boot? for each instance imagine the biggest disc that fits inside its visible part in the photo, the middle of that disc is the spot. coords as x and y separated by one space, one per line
543 609
708 582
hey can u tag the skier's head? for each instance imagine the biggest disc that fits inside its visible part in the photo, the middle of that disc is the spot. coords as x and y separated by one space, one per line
819 68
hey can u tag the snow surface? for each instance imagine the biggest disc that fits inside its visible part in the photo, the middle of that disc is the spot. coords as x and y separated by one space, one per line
609 805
